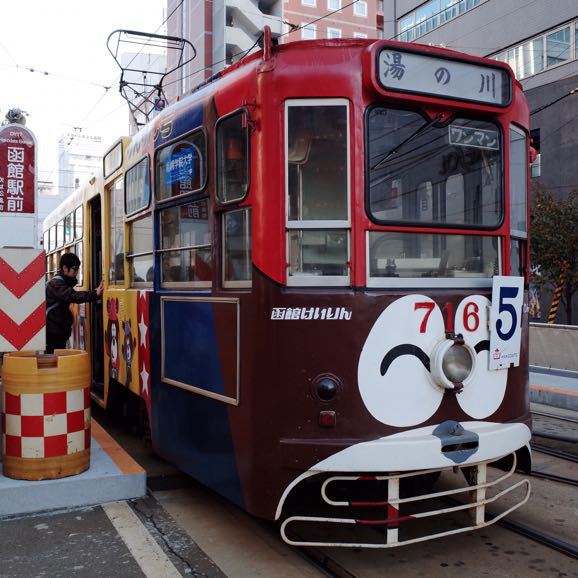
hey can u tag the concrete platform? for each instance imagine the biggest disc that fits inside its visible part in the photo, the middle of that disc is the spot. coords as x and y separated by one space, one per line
113 475
555 387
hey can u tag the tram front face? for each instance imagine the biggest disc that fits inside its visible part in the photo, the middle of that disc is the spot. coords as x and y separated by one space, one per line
433 232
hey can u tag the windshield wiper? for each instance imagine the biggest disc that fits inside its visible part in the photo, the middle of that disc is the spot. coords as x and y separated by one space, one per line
417 132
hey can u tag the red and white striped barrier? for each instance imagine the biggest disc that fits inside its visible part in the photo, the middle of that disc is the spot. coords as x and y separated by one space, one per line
22 299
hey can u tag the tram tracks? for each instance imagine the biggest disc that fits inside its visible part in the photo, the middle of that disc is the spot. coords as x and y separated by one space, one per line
541 537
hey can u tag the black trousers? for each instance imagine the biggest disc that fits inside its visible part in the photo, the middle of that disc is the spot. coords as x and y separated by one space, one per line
55 341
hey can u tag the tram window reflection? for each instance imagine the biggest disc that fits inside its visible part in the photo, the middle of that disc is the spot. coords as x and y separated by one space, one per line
181 167
141 255
418 255
313 252
186 254
461 161
237 248
68 227
78 223
317 163
232 159
116 235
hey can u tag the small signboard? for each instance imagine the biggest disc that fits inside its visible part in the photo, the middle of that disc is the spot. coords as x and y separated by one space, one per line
17 152
180 166
467 136
506 322
18 214
409 71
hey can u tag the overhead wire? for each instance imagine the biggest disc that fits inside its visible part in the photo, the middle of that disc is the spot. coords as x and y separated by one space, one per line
545 106
107 89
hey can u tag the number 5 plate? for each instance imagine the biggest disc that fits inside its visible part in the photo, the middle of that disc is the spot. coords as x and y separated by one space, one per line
506 322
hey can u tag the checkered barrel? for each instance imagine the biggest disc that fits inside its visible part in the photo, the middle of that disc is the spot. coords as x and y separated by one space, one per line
46 418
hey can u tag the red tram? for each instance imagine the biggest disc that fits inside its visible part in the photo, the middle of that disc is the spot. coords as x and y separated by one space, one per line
317 273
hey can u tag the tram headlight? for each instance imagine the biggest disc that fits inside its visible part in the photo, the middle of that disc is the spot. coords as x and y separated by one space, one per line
452 363
457 363
326 387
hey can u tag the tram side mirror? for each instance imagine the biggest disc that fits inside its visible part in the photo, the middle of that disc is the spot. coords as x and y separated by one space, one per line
533 154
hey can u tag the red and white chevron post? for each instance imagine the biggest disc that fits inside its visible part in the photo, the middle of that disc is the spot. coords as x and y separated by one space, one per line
22 299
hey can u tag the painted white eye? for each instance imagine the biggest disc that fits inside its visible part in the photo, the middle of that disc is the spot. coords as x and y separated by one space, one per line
485 389
394 365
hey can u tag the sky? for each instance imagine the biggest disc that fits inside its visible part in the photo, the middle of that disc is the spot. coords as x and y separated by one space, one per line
67 39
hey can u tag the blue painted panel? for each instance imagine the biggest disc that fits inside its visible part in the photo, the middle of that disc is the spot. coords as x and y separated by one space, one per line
191 347
186 117
190 430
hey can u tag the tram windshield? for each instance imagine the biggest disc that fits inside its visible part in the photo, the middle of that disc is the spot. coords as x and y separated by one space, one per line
424 173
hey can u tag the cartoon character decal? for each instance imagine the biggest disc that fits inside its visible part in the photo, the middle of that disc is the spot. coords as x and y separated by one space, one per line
401 364
128 347
111 337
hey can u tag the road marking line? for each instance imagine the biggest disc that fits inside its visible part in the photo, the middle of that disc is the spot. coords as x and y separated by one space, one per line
148 554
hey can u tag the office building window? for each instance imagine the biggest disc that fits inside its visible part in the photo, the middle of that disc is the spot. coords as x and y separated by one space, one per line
558 47
359 35
311 3
543 52
308 31
430 16
360 9
333 4
333 33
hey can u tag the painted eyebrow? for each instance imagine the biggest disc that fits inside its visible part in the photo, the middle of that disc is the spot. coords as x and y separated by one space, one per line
404 349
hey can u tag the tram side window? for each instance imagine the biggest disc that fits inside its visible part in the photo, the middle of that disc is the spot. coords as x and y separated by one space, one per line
141 258
68 227
116 265
78 250
45 240
78 223
52 238
59 234
186 256
518 200
317 157
180 167
232 159
237 248
137 185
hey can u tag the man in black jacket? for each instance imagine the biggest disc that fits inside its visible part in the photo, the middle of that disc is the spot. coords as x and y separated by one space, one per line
60 294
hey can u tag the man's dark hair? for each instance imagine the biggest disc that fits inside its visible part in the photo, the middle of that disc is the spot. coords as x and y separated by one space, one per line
69 260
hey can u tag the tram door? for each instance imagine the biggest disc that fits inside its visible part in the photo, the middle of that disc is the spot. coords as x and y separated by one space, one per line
96 316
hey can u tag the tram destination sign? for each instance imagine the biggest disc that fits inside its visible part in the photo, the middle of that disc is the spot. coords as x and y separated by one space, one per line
406 71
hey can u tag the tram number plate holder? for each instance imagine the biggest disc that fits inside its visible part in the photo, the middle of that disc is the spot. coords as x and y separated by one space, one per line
506 322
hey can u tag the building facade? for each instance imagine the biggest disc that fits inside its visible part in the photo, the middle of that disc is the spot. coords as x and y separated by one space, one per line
79 157
222 31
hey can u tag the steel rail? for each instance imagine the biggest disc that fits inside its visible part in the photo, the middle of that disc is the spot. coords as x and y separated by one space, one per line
554 478
538 536
554 416
556 438
324 563
556 453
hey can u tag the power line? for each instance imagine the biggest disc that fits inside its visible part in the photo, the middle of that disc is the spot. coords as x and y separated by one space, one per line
107 89
46 73
541 108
